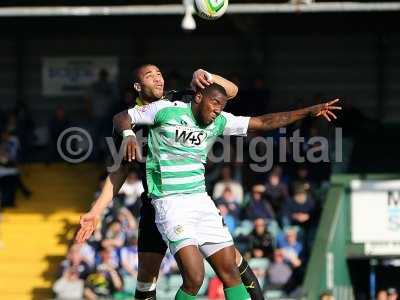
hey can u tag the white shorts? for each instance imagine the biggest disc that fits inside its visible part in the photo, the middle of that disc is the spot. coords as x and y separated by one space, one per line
191 219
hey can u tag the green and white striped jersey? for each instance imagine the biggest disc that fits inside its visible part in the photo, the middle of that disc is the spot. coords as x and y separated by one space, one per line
178 145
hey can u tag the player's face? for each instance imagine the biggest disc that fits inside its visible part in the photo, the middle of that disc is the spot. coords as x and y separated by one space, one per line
151 82
211 106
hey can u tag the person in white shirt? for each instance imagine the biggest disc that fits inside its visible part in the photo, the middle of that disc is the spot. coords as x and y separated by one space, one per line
132 189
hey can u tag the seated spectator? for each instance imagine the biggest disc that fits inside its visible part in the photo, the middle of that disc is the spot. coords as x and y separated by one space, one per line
228 199
215 289
278 273
129 257
88 254
260 240
300 209
132 189
114 237
75 260
276 191
105 280
229 219
69 286
227 181
258 207
128 222
290 246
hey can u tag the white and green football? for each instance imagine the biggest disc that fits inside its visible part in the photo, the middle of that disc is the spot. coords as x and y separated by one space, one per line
210 9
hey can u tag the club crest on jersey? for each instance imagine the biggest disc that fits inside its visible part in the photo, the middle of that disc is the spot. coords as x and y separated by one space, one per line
189 137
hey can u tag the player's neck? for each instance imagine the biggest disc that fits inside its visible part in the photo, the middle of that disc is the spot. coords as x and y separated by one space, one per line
146 100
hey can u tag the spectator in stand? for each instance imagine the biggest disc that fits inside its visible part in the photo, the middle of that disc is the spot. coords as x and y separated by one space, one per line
75 260
228 199
215 289
279 272
258 207
128 222
392 294
69 286
129 263
105 280
114 237
88 254
260 240
57 124
289 243
227 181
229 219
276 190
300 209
132 189
291 247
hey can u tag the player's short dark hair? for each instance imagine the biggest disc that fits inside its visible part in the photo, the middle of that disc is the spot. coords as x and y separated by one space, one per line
137 70
214 87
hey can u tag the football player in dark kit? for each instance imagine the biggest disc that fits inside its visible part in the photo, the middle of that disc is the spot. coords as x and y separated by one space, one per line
149 84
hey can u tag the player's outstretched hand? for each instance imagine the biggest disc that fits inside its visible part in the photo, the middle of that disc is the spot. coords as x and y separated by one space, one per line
325 110
87 226
132 149
201 79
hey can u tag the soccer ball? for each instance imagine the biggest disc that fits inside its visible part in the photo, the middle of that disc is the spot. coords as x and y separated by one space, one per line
210 9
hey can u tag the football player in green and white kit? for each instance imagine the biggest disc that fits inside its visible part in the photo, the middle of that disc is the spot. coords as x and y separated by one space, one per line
179 139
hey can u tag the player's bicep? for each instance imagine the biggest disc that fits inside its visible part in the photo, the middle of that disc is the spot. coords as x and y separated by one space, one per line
235 125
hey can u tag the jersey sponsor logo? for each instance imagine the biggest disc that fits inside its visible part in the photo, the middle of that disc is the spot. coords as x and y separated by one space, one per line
189 137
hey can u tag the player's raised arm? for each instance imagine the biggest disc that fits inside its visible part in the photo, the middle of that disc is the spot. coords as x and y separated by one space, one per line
281 119
202 78
89 221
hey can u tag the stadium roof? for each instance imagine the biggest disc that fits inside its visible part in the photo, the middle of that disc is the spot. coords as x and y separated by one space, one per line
32 8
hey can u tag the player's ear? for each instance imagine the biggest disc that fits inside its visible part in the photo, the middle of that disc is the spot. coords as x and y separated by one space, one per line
137 86
198 97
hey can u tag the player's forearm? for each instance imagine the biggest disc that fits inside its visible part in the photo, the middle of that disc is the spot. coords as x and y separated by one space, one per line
230 88
276 120
111 187
122 121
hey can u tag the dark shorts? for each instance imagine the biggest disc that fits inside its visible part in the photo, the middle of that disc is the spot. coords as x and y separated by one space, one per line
150 239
